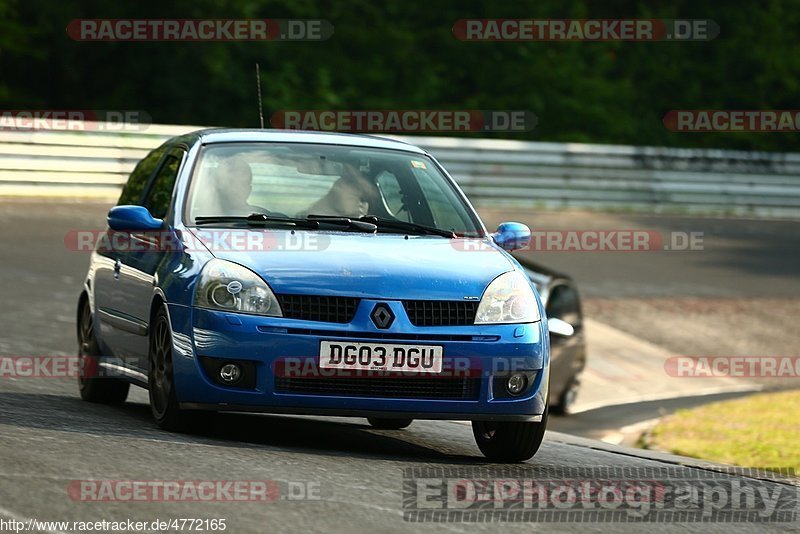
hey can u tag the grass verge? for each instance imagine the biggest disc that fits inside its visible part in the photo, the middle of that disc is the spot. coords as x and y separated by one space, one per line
761 431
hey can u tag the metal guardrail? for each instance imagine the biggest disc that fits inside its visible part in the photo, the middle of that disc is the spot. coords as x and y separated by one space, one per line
492 172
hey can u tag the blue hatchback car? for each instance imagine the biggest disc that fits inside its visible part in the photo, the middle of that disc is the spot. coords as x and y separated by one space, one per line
318 274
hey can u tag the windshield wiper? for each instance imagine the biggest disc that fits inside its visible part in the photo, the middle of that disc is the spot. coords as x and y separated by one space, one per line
357 224
312 221
381 222
256 219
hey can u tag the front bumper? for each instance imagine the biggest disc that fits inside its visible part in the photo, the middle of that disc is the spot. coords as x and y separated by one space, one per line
483 353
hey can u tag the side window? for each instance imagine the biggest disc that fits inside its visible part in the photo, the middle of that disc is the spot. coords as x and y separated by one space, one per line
392 195
160 194
132 192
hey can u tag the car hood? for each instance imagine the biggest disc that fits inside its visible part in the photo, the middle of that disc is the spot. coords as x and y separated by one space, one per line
386 266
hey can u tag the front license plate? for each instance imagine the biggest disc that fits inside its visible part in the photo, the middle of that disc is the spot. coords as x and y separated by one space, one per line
381 357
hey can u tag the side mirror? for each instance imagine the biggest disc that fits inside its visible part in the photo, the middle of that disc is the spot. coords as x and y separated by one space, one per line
512 236
133 219
560 328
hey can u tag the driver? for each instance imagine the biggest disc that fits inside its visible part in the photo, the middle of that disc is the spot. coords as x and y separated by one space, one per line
234 184
349 196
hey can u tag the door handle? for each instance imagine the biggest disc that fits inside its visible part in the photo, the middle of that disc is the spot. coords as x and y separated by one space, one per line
117 267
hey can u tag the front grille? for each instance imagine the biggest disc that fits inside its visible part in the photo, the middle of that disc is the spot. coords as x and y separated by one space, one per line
383 387
335 334
318 308
441 312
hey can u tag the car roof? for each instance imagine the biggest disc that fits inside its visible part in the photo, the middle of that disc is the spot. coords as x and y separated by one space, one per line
231 135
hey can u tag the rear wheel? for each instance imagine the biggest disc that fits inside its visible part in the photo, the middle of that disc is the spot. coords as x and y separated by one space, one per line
95 388
161 379
504 441
389 424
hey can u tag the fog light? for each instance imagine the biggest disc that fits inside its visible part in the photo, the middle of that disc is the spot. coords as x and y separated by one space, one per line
516 383
230 373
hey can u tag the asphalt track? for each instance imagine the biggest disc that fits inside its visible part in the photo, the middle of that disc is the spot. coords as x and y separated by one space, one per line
733 258
49 438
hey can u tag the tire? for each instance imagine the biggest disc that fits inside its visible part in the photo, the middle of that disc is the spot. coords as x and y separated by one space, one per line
93 388
388 424
566 400
502 441
161 379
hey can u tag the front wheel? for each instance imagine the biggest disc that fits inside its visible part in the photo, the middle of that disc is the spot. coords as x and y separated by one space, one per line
388 424
503 441
161 379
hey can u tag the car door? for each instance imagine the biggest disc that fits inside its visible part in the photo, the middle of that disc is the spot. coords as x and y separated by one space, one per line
138 268
118 331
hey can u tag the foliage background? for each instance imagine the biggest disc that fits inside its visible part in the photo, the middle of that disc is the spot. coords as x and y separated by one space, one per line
403 55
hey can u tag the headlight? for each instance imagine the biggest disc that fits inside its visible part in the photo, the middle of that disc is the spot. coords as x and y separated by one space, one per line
508 299
224 285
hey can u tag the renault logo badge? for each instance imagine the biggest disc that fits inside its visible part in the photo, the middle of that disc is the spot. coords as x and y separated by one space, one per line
382 316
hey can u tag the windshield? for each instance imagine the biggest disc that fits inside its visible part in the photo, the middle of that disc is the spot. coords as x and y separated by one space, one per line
301 180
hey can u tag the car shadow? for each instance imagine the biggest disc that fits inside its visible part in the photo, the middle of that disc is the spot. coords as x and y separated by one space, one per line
594 424
300 434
